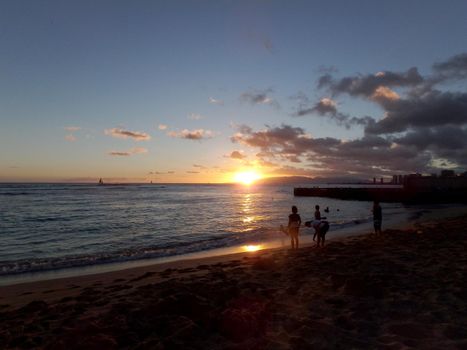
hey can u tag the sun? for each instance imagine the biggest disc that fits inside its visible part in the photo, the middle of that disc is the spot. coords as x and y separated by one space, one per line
247 177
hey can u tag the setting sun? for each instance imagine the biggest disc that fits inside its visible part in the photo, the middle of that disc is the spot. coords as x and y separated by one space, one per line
247 177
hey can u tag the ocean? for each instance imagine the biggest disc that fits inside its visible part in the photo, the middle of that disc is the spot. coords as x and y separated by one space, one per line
47 227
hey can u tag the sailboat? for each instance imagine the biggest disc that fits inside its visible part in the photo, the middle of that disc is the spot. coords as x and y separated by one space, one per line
100 182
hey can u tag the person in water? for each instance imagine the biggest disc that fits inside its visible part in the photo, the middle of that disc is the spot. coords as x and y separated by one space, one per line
377 217
317 213
294 227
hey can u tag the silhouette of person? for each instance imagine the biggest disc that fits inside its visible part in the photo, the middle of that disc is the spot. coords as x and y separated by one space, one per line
377 217
326 210
317 222
317 213
294 227
323 228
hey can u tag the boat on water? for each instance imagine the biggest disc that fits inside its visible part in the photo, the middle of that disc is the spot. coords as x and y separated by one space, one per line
101 182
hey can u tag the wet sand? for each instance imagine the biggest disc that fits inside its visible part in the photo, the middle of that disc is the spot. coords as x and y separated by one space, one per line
403 289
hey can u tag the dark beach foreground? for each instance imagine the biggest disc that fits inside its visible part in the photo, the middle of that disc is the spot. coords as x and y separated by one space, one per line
404 289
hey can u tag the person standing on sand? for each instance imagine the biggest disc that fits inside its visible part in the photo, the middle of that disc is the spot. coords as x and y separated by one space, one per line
294 227
377 217
317 221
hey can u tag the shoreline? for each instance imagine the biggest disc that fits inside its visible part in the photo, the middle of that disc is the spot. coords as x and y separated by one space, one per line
402 221
405 288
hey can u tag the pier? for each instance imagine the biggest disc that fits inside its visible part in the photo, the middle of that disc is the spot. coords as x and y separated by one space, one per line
412 189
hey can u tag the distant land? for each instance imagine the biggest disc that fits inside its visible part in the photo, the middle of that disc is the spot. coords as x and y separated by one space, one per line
295 180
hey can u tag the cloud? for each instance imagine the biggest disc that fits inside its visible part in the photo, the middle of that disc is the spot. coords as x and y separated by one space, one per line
259 97
121 154
72 128
432 109
237 155
453 68
197 134
70 138
326 107
366 156
366 85
199 166
161 172
195 116
322 107
124 134
423 125
136 150
192 172
383 94
162 127
214 101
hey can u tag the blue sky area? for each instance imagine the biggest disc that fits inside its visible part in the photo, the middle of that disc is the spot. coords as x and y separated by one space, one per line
87 87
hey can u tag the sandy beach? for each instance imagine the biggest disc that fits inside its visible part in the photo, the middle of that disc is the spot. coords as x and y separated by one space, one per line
404 289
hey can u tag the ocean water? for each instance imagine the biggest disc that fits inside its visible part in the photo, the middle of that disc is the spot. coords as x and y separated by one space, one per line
54 226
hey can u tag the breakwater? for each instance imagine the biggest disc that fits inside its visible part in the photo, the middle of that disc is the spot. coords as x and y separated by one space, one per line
385 194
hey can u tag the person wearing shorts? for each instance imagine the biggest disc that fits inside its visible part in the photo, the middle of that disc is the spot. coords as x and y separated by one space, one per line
294 227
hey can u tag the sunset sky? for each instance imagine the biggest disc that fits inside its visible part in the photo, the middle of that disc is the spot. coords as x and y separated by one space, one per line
197 91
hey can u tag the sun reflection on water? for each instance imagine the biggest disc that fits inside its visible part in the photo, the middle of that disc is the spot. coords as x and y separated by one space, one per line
248 219
252 247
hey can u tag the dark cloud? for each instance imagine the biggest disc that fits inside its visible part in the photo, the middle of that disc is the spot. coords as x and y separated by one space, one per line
366 85
366 156
422 122
443 138
431 109
453 68
326 107
259 97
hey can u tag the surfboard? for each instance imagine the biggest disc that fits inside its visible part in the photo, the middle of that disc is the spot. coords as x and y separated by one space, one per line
284 230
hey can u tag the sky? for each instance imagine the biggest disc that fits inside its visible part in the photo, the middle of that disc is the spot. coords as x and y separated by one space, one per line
198 91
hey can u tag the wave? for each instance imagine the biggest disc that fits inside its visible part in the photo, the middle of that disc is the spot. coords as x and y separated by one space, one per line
15 193
172 249
151 252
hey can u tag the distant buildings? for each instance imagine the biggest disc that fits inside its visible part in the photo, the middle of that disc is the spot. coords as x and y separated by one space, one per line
413 188
448 180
